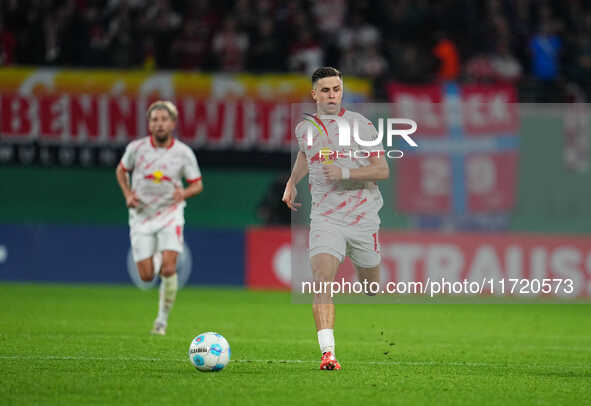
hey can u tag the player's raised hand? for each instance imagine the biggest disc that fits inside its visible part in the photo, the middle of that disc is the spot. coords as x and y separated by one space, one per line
179 194
332 172
289 196
131 200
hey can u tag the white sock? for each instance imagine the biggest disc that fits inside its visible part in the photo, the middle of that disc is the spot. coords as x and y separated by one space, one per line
326 340
168 288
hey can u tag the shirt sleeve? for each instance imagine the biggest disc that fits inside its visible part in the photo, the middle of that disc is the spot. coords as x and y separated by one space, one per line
301 133
128 159
191 171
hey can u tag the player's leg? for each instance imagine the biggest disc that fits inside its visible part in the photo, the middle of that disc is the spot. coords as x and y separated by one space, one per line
170 244
169 259
327 250
324 269
145 269
143 247
364 251
370 277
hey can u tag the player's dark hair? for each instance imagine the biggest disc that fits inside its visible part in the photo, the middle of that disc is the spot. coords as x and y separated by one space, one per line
325 72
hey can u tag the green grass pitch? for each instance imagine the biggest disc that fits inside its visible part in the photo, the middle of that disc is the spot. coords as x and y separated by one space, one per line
74 344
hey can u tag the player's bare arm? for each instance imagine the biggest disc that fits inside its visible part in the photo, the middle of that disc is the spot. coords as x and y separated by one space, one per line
378 169
193 189
131 199
300 169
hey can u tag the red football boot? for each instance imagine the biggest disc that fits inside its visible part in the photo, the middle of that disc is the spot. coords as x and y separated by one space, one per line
329 362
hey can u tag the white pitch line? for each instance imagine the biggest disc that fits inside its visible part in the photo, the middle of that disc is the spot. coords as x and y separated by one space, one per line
313 341
78 358
424 363
298 361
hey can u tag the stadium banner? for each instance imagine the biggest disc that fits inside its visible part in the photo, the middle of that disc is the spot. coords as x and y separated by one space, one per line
469 148
99 254
268 258
101 108
499 264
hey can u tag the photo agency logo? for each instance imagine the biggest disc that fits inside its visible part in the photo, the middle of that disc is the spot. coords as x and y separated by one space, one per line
394 127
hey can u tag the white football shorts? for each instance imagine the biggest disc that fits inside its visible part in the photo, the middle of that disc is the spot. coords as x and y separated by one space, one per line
145 245
358 242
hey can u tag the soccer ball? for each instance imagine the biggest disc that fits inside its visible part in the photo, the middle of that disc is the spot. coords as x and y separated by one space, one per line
209 352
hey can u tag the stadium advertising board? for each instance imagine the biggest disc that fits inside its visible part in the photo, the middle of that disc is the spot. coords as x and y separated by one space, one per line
268 258
83 254
108 107
507 263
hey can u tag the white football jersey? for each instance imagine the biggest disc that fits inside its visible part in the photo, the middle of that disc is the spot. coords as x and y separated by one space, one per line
155 174
343 202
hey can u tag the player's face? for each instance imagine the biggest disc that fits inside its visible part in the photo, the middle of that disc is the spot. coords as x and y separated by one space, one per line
161 125
328 94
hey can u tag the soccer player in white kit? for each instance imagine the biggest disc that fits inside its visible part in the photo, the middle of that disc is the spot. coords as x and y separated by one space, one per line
156 201
345 198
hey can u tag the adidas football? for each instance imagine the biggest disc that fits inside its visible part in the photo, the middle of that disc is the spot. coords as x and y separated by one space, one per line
209 352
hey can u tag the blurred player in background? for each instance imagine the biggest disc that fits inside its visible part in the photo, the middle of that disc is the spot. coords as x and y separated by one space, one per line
345 199
156 201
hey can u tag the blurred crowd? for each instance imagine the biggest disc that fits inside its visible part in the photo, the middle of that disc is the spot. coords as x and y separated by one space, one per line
527 41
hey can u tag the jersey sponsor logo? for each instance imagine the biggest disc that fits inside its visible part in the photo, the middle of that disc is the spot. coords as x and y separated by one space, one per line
324 156
157 177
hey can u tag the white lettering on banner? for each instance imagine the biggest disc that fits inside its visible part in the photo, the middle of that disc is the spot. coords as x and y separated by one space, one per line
499 108
513 261
504 262
485 265
200 122
481 111
83 121
3 254
412 261
473 106
419 107
444 260
104 120
566 263
118 119
482 176
229 129
278 125
435 176
250 126
18 116
282 263
405 256
538 263
123 115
